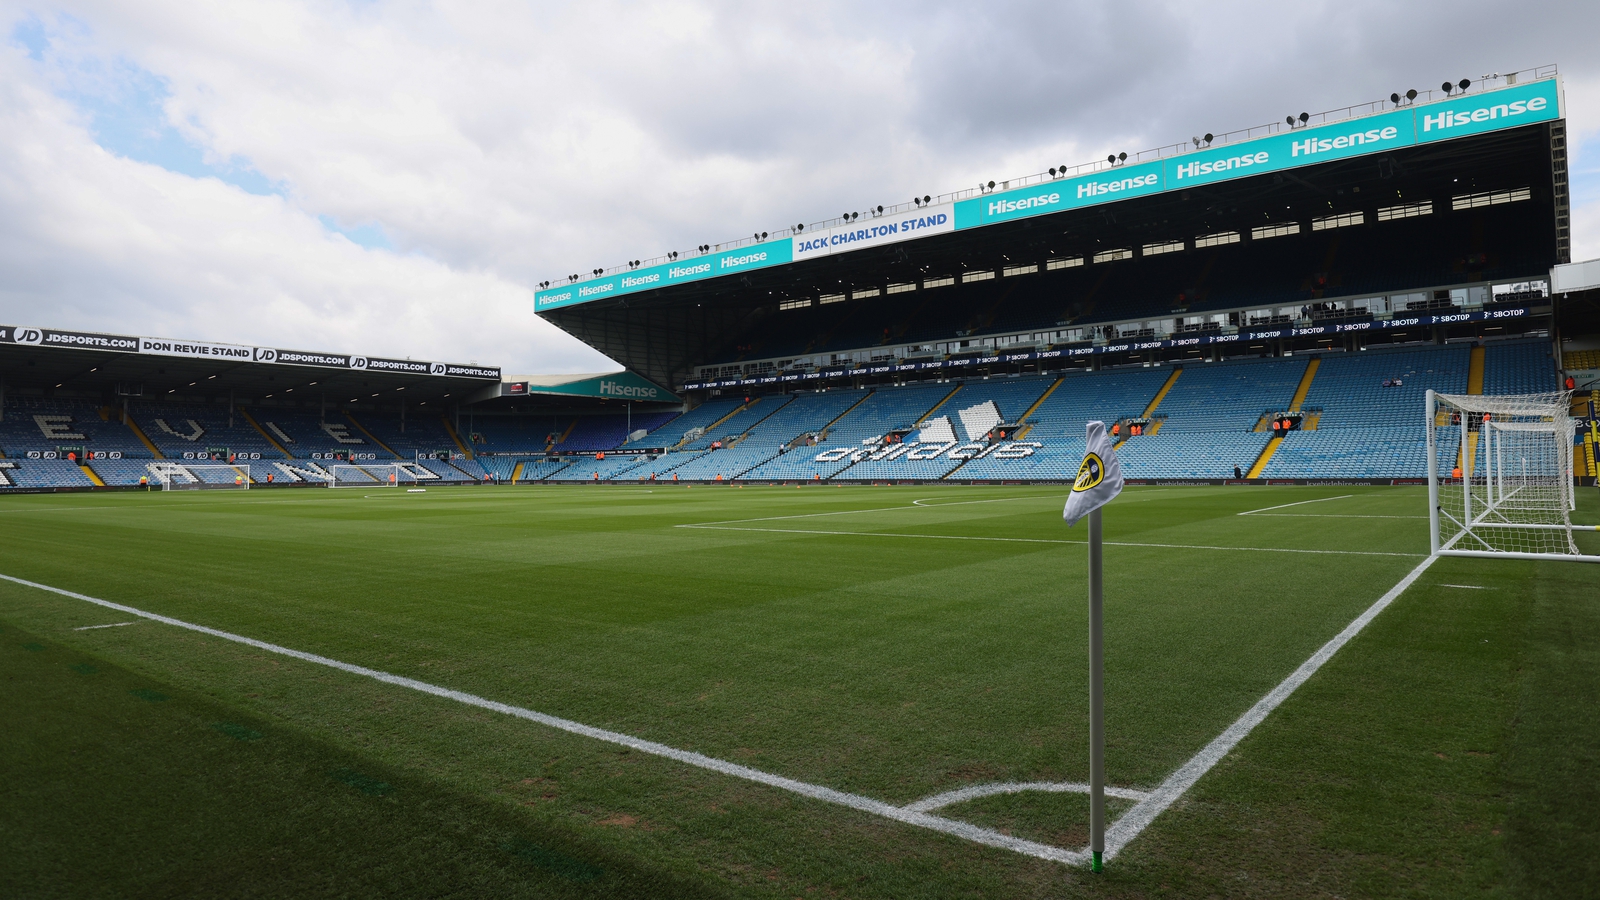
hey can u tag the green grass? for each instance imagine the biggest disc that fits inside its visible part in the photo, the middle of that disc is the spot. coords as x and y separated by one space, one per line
1448 750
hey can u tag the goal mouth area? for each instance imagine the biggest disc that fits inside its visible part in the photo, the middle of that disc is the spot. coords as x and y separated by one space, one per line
1500 479
371 475
174 476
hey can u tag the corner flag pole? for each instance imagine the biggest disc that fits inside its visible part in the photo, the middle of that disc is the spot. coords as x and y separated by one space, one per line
1098 483
1097 724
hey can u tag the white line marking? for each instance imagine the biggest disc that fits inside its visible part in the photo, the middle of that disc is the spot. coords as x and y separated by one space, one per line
968 537
816 792
59 509
1251 512
977 791
1326 516
93 627
1470 587
1128 826
1118 836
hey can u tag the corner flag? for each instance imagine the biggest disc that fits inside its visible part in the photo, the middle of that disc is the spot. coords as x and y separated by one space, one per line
1099 477
1099 480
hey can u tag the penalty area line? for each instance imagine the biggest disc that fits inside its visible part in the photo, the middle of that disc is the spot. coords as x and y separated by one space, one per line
1251 512
1003 540
905 815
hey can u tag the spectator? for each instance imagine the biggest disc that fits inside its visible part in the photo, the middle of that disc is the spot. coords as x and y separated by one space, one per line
1238 472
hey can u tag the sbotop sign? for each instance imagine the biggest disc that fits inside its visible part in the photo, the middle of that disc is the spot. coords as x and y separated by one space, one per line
1253 334
121 343
1469 114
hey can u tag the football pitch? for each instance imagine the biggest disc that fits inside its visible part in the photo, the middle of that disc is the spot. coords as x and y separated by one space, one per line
662 691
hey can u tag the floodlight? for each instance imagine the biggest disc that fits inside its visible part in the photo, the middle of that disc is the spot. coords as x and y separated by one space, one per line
1112 159
1290 120
1052 171
1411 94
1447 87
1207 138
1122 157
880 208
926 199
1465 83
1304 118
1395 99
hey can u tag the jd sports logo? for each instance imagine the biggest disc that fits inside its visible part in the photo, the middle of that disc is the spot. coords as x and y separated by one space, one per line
436 368
358 362
29 336
1089 474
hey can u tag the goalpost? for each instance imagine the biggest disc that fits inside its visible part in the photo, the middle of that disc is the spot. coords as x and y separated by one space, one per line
370 475
210 477
1500 477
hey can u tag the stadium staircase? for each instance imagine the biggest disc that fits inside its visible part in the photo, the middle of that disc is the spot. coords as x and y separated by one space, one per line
139 433
465 450
1276 441
263 432
1475 367
1028 413
370 436
92 476
1155 403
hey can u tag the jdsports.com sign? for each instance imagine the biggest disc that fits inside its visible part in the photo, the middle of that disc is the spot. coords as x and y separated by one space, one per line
126 343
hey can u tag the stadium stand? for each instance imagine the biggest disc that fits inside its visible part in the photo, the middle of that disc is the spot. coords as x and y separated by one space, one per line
305 433
1360 413
44 425
194 428
878 413
1060 421
1369 425
1012 396
804 413
1210 413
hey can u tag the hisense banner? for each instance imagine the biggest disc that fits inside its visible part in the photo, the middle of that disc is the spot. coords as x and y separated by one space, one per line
1468 114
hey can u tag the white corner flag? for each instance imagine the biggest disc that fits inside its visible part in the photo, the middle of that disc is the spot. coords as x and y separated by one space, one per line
1099 477
1099 480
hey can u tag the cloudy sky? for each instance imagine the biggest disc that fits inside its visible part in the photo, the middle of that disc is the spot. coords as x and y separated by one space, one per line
394 178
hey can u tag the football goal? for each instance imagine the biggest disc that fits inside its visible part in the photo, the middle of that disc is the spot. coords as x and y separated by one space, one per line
370 475
1500 476
190 477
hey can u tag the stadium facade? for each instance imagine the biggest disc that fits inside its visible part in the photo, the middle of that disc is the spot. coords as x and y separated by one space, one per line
1270 304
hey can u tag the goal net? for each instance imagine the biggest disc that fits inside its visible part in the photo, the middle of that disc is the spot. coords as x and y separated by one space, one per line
1500 476
189 477
370 475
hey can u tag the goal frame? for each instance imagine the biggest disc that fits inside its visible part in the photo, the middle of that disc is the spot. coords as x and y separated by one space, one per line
378 471
164 471
1487 499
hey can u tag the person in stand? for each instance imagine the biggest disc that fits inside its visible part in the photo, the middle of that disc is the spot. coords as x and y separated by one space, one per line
597 478
1570 383
1238 472
144 482
269 478
238 479
674 477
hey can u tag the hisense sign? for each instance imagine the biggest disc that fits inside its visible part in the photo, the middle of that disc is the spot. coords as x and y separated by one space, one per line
1459 116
